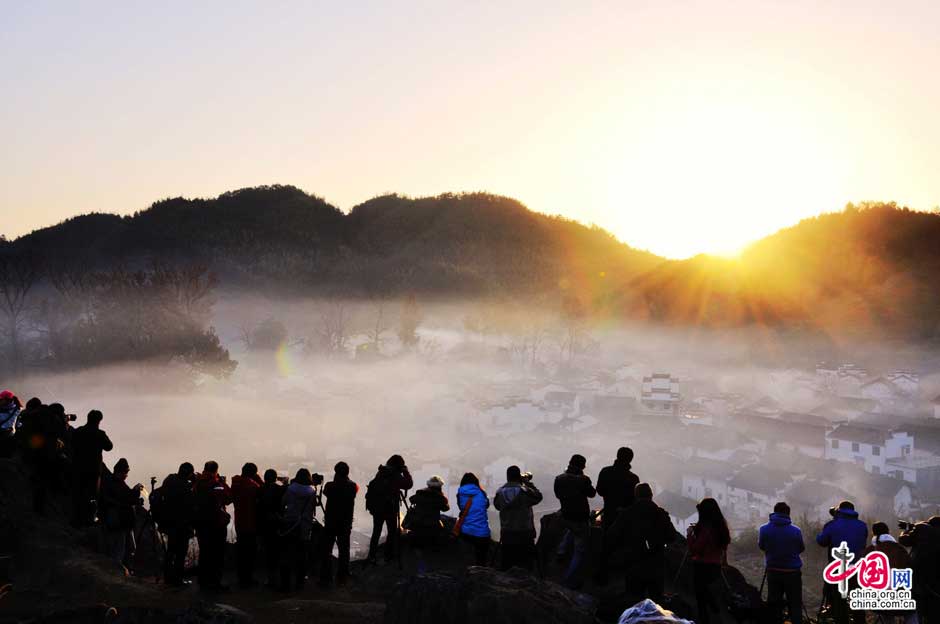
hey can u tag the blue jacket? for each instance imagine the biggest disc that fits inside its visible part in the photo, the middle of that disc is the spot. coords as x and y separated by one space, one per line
476 523
782 543
845 527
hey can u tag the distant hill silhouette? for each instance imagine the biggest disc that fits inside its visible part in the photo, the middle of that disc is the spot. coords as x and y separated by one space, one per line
279 236
873 266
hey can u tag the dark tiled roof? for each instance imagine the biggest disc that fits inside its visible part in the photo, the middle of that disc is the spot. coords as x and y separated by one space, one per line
709 468
760 480
676 504
855 433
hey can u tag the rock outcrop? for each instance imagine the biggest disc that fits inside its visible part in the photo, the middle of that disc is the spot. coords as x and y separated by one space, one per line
484 595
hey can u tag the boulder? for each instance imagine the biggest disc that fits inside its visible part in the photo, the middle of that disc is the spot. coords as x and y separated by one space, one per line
484 595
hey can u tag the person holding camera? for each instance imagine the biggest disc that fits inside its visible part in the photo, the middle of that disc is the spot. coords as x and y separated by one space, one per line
246 494
175 519
212 495
923 538
119 504
643 529
269 516
299 508
844 527
89 443
708 541
515 500
423 520
782 543
383 496
337 521
473 525
573 488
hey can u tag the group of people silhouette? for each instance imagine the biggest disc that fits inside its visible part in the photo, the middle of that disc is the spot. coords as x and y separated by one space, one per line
276 518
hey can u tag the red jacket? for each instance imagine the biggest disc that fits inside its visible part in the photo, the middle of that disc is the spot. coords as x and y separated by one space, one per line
704 546
246 494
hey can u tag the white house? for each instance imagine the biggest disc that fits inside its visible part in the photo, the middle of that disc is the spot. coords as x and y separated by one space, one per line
512 416
754 490
810 500
706 478
868 447
907 381
660 395
919 468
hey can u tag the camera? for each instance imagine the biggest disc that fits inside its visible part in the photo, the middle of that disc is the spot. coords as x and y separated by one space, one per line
71 417
526 477
317 478
905 526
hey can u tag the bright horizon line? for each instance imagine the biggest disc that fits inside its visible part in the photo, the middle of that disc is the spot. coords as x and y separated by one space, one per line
728 254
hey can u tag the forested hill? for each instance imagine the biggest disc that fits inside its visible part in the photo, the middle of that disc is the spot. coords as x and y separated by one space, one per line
873 266
280 237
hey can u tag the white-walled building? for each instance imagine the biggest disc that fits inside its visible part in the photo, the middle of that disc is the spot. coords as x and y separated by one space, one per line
660 395
706 477
754 490
868 447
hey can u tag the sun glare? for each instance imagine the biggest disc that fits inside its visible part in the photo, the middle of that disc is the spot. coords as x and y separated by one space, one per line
713 175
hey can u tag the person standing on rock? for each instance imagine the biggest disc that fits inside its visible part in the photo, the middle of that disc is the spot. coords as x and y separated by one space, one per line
573 488
119 503
176 521
337 521
300 506
89 443
212 495
615 484
643 529
782 543
10 407
708 541
246 494
515 501
474 524
383 496
269 516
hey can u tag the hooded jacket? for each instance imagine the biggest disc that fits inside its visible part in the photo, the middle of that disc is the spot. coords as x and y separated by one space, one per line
299 508
246 494
427 506
845 527
476 524
515 502
782 543
897 555
573 488
616 484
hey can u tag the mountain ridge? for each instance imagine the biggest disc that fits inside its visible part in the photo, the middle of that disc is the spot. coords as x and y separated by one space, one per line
870 266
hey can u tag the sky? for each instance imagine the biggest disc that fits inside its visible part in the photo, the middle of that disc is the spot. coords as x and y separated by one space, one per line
681 127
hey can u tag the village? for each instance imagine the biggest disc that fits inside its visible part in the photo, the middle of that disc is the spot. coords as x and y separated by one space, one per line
871 438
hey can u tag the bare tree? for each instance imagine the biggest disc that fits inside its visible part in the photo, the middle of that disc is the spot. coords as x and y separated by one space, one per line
19 273
378 327
334 328
408 322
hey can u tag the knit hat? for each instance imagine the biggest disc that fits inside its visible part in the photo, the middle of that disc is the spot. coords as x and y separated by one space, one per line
436 482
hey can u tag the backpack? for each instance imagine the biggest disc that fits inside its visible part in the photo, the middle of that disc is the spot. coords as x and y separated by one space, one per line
378 493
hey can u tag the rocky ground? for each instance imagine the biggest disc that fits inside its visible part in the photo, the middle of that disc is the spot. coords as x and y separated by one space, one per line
56 575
